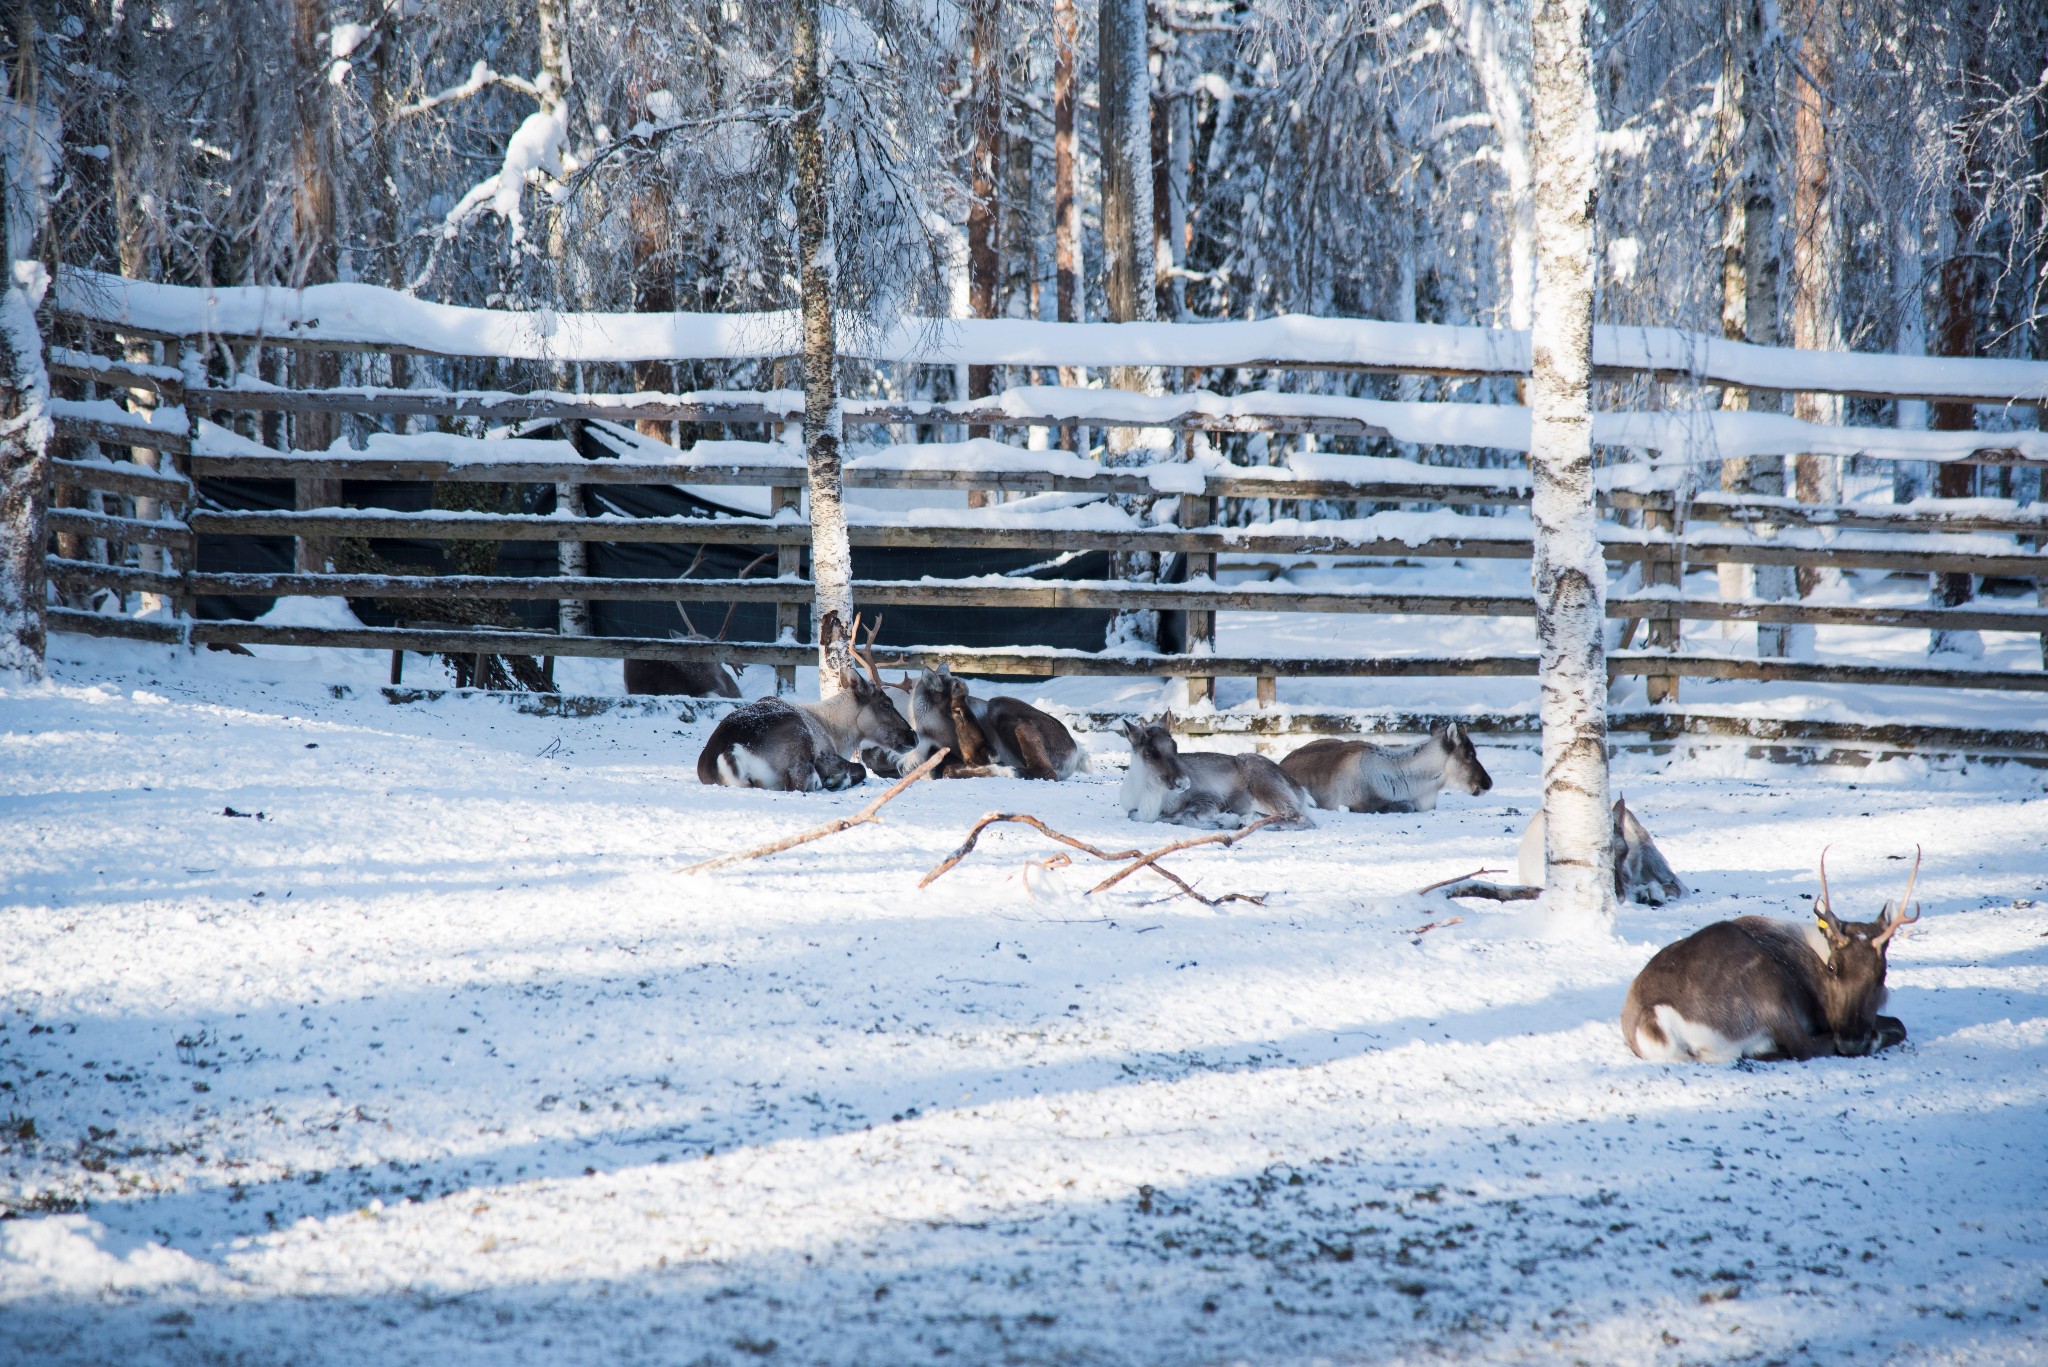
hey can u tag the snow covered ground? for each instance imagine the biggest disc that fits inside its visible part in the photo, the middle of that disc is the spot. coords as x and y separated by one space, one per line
430 1055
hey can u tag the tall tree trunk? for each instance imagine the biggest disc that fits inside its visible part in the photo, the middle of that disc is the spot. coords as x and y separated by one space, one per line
557 74
831 555
1125 82
24 394
313 252
1066 185
130 126
1477 30
1749 279
2037 289
984 188
1816 246
1962 301
387 237
1568 569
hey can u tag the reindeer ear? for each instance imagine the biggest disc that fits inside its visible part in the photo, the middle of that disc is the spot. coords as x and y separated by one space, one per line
1133 731
1167 720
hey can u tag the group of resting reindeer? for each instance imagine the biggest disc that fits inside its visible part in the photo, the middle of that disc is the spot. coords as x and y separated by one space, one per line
1752 987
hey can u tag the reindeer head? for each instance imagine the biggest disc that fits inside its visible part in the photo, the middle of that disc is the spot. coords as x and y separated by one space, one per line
1462 769
878 719
1153 750
1852 987
931 697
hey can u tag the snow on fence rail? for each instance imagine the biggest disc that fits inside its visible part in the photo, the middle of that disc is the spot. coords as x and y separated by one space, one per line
1660 522
372 318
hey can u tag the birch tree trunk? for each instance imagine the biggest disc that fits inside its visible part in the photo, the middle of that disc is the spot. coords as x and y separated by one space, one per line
1066 186
1816 248
831 555
314 256
1478 34
1125 120
1568 570
1749 281
572 558
24 420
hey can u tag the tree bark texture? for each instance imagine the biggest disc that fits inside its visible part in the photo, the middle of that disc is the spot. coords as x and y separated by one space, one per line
984 181
831 555
1568 570
1749 278
1816 242
1124 79
1066 184
1962 296
24 456
313 251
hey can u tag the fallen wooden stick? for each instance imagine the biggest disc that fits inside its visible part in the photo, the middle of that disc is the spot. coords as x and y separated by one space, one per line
1225 838
1256 899
859 818
1472 886
1423 930
1476 873
967 846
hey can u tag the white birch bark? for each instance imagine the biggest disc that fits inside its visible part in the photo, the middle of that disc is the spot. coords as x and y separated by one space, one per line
27 136
1568 570
572 558
1477 31
824 428
1128 244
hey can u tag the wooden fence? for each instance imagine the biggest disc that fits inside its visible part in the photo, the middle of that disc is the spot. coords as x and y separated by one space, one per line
129 522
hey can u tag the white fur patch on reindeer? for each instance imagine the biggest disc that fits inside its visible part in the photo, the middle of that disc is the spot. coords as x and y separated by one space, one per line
1688 1042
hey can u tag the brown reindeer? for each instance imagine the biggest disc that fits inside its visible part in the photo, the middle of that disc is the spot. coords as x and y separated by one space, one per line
690 679
1001 736
802 747
1759 988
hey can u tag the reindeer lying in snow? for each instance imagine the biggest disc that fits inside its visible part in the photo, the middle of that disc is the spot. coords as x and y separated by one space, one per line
1641 873
689 679
999 737
1218 791
802 747
1758 988
1358 776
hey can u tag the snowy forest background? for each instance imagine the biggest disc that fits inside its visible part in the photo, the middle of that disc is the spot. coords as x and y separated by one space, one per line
1882 164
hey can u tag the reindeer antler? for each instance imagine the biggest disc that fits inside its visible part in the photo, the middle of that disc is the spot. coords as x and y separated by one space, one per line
1898 917
1827 903
902 685
732 607
866 658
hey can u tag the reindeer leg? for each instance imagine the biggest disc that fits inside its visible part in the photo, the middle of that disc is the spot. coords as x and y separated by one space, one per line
1890 1031
1030 747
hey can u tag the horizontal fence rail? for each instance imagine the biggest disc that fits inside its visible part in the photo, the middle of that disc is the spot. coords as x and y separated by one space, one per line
135 526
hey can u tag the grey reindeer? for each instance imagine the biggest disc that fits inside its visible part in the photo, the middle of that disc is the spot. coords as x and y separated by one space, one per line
1359 776
803 747
1766 989
690 678
1202 789
999 736
1641 873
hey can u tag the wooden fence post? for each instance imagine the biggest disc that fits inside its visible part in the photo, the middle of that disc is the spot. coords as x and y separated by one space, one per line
1660 514
1199 510
788 560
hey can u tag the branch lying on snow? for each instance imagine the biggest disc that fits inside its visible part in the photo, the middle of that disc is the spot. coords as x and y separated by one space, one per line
1470 885
967 846
1141 859
1225 838
844 823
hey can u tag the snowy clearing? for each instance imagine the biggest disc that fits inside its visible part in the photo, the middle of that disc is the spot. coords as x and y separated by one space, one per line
432 1056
